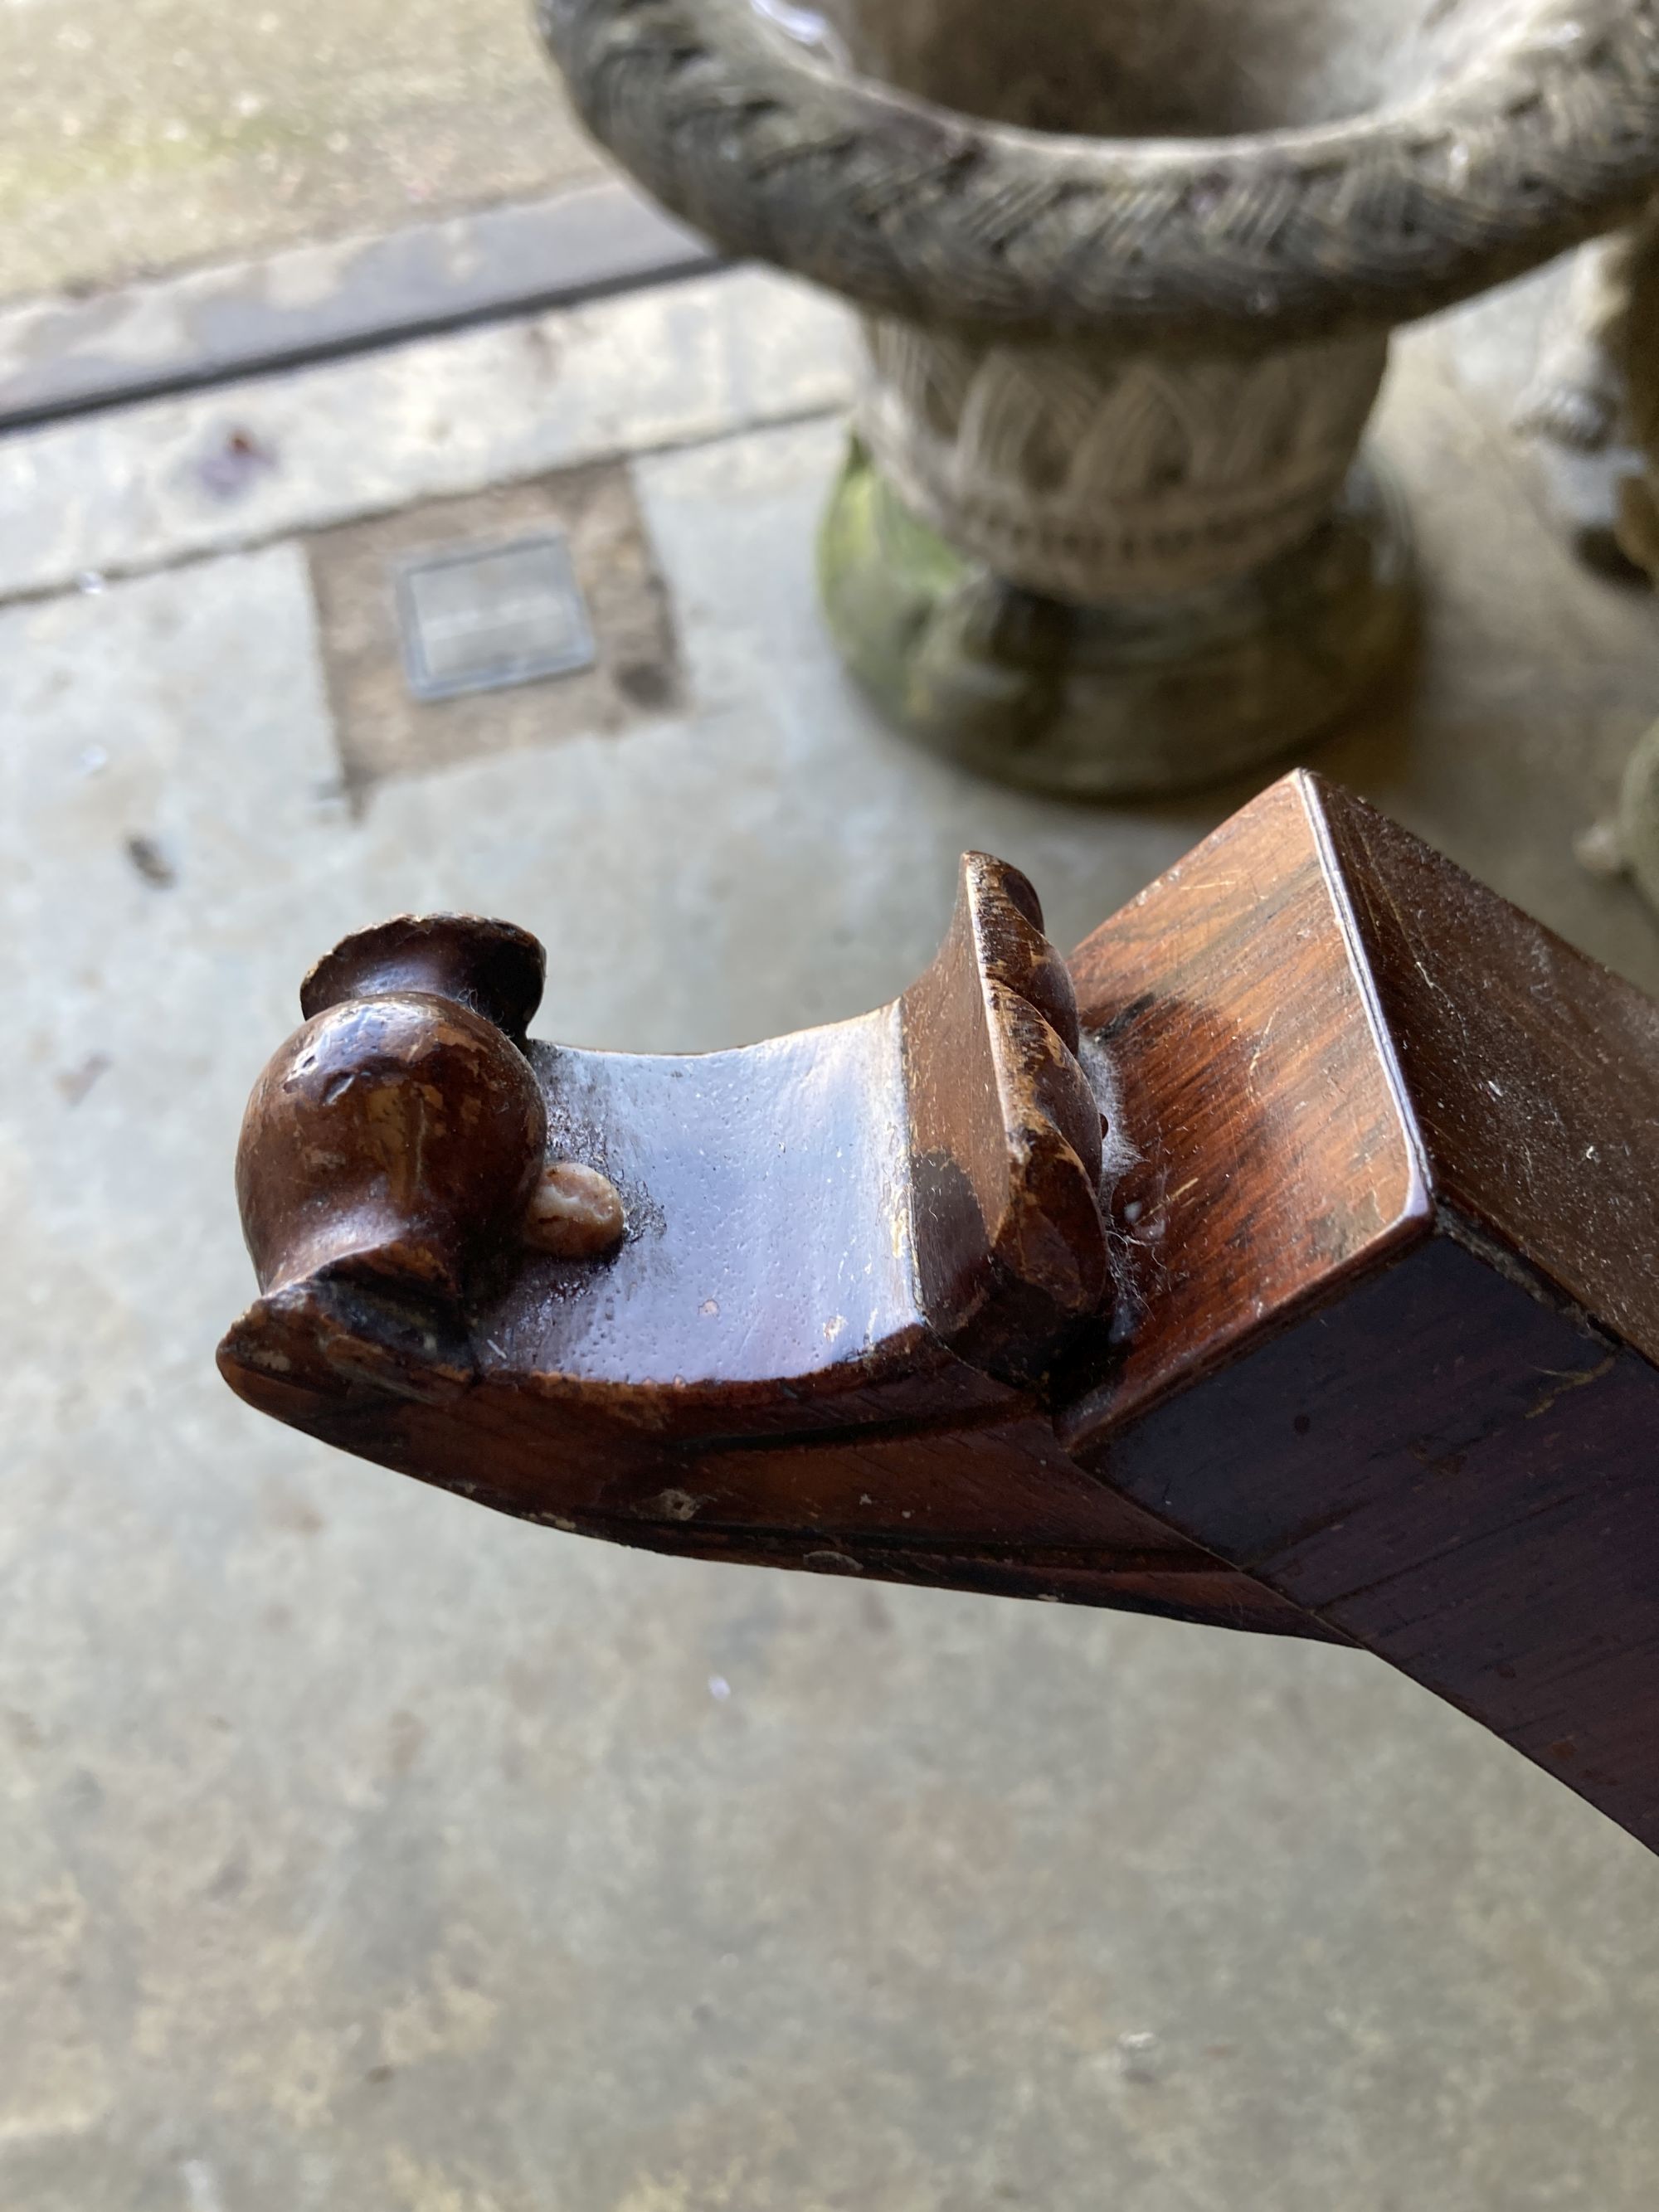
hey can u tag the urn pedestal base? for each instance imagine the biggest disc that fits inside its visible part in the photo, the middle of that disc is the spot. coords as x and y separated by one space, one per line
1118 701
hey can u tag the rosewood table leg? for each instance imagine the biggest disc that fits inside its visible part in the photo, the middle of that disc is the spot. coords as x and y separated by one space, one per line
1287 1260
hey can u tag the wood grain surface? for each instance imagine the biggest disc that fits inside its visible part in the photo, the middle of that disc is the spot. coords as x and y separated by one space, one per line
1430 1423
1271 1153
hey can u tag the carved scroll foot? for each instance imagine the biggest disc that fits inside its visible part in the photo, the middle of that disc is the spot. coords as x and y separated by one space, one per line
1358 1341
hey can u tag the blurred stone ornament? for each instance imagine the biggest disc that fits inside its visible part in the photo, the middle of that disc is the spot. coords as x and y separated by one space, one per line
1126 279
1627 842
1639 361
1593 403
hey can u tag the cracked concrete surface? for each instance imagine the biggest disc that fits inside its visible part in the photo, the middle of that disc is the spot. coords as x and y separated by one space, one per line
360 1849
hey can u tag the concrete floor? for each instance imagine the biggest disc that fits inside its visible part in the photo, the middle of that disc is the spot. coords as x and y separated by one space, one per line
358 1849
145 135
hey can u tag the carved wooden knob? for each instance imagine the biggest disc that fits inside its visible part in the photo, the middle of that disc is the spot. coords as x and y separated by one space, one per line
398 1135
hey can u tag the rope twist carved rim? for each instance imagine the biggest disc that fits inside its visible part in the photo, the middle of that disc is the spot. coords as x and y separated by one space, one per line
917 211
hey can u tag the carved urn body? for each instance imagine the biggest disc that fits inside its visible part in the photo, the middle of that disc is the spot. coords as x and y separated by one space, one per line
1126 275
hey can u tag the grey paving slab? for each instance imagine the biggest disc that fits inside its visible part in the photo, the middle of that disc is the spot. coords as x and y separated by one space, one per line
70 352
136 487
359 1849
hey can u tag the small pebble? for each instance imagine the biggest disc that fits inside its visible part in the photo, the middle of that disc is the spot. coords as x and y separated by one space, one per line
151 862
1137 2058
576 1212
1600 849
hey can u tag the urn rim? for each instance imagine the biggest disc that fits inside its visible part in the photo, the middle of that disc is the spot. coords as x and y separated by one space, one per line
913 208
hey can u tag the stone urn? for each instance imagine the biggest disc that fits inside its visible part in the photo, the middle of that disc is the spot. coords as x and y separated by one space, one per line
1127 272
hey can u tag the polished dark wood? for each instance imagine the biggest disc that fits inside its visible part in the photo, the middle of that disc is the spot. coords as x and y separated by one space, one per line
393 1140
1436 1430
1347 1332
